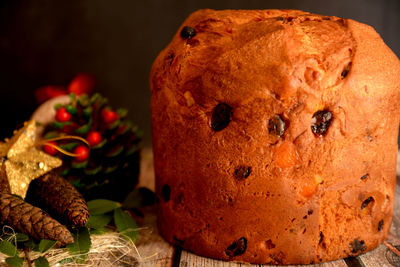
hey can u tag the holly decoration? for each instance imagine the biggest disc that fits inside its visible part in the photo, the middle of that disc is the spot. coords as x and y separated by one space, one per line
109 166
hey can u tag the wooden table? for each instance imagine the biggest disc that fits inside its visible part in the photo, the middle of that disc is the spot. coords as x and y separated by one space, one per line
154 251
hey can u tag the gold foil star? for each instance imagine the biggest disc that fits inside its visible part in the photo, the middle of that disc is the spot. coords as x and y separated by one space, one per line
22 161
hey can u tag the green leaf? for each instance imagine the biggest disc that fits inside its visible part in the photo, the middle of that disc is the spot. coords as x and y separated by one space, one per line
69 146
132 149
91 185
87 112
84 129
98 221
41 262
122 112
31 245
15 261
8 248
50 135
84 100
114 125
45 245
77 183
65 172
126 225
93 171
124 128
81 246
102 206
57 106
99 231
79 165
115 151
71 109
95 97
21 237
111 169
60 125
72 97
100 145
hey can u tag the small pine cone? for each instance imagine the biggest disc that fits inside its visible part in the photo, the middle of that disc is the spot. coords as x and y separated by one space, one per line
56 195
31 220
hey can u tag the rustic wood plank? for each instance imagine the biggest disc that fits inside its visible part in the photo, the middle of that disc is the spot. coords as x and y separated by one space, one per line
191 260
381 257
154 251
338 263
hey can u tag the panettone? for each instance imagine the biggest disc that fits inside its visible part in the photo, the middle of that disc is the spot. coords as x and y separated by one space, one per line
275 136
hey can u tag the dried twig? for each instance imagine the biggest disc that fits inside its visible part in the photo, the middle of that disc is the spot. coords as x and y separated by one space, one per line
28 259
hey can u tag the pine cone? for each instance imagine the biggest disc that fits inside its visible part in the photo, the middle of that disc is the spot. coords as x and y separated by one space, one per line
56 195
112 166
31 220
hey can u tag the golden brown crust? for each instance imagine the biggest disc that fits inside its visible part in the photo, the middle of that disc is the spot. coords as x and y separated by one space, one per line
298 198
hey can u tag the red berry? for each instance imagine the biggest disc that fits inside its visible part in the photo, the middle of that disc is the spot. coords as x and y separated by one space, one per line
62 115
94 138
82 83
109 116
82 153
50 149
47 92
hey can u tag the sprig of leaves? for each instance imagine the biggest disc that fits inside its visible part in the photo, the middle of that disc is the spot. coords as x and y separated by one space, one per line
81 246
104 214
104 211
8 248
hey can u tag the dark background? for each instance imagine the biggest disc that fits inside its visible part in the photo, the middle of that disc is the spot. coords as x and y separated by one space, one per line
46 42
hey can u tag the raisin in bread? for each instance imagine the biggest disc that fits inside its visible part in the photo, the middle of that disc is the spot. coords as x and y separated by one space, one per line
275 136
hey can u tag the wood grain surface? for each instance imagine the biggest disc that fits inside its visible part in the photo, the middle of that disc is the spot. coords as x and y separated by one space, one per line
154 251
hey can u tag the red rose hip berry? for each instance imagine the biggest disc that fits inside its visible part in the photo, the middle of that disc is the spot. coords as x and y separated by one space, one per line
82 83
49 148
62 115
109 116
82 153
94 138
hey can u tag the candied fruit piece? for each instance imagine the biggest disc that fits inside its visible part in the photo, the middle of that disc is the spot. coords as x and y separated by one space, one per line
221 117
285 155
237 248
276 126
321 121
242 172
380 225
358 246
188 32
